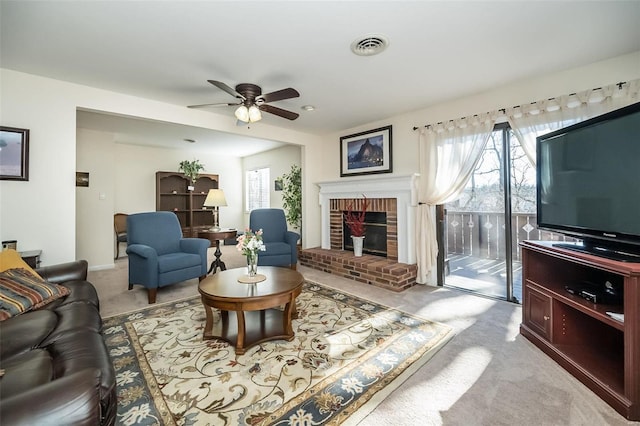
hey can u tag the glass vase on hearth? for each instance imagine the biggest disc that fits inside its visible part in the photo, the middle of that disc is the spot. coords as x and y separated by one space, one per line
252 263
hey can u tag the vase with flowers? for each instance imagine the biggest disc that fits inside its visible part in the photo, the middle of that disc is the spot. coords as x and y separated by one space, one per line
355 223
250 243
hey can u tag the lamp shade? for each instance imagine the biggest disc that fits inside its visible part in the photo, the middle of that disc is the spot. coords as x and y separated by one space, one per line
242 113
248 115
215 198
254 114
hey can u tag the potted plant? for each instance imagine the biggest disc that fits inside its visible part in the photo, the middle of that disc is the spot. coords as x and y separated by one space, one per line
355 223
292 196
191 170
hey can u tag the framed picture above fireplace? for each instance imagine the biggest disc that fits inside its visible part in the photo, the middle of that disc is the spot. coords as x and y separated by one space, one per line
366 153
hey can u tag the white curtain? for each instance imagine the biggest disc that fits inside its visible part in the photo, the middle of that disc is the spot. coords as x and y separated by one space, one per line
448 154
532 120
449 151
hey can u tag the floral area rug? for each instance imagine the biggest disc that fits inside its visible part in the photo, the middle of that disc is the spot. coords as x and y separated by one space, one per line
347 355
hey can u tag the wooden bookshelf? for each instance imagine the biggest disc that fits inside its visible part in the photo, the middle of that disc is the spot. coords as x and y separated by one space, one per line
172 194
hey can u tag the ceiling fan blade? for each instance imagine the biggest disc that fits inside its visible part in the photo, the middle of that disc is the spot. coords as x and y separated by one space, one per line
211 105
279 95
279 111
220 85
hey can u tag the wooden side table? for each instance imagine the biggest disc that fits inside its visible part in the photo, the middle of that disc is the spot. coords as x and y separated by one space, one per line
31 257
215 237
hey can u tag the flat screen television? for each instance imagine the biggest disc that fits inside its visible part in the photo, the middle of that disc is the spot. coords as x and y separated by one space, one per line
588 183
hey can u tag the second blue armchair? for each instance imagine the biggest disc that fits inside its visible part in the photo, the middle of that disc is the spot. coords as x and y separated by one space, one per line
159 256
280 244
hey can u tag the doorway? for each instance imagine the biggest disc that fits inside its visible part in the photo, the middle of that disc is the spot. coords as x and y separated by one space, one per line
482 229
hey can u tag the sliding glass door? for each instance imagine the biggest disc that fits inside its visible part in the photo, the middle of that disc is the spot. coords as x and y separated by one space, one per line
483 227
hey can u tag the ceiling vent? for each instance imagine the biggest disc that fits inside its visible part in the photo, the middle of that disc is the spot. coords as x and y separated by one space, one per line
369 45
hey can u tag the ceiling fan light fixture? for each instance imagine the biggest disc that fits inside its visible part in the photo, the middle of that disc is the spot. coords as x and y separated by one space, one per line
252 102
242 113
254 114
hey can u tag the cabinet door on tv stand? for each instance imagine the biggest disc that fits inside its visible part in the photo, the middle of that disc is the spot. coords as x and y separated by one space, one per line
537 312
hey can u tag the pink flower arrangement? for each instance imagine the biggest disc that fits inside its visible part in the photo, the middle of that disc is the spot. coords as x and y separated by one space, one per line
249 243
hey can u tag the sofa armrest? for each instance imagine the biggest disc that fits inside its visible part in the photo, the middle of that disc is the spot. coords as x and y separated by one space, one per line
143 251
197 246
73 399
70 271
24 332
292 238
143 265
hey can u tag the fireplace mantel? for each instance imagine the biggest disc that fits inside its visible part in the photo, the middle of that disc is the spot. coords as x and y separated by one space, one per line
402 188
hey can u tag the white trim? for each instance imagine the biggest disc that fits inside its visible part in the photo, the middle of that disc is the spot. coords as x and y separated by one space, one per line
402 188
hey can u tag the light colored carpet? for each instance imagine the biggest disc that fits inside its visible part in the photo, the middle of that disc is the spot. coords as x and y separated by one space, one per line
487 375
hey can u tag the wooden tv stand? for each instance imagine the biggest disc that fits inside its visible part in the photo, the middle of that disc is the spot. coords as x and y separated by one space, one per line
601 352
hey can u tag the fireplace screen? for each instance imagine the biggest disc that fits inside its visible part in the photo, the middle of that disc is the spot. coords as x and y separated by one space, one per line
375 239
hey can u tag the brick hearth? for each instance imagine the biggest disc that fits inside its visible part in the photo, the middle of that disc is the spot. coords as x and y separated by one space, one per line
368 269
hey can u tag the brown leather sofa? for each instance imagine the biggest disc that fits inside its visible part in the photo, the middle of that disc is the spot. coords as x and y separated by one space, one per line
55 366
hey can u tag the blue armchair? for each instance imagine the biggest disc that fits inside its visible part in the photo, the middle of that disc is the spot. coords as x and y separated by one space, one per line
280 243
159 256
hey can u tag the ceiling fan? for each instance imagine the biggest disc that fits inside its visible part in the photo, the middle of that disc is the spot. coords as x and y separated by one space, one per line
252 101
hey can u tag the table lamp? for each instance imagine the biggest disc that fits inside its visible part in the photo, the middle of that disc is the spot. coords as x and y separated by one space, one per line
215 198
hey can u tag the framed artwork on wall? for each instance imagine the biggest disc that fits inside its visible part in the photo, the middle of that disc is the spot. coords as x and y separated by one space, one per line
82 179
277 185
14 153
366 153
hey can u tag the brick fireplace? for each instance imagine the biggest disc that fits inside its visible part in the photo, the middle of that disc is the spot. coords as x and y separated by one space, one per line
395 196
377 205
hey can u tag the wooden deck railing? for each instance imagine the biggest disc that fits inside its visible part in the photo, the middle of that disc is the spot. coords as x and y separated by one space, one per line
481 234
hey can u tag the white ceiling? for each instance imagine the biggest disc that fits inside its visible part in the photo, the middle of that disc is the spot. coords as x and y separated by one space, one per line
439 50
135 131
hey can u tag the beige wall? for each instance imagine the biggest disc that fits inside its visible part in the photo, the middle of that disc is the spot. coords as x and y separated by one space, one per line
94 204
326 167
41 213
122 180
405 139
279 162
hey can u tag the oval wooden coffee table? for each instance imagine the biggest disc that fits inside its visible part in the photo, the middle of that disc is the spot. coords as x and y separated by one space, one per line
246 309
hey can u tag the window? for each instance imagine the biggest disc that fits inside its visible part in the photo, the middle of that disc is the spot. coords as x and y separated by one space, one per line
258 190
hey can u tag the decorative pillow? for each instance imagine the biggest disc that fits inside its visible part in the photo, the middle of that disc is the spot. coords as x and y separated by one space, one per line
20 292
11 259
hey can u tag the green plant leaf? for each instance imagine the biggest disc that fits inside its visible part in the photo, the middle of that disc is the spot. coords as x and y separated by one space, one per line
292 196
191 169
